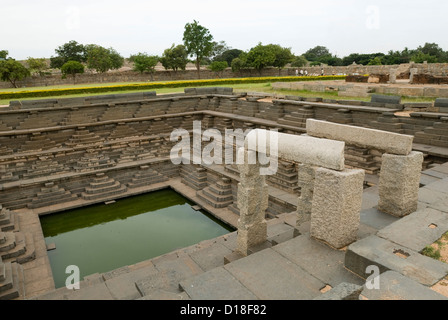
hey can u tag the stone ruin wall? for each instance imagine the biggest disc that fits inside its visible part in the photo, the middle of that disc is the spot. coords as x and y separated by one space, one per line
56 152
432 69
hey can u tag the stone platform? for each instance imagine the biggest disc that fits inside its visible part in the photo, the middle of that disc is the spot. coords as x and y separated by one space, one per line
292 265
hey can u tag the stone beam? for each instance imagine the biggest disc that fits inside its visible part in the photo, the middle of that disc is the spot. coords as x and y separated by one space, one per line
387 142
303 149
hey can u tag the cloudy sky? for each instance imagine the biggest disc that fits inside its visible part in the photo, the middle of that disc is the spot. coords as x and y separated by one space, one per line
35 28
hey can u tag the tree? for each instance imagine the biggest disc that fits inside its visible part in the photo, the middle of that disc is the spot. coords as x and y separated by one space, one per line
70 51
261 56
228 55
72 68
375 62
102 59
175 58
13 71
218 49
283 56
37 65
145 63
3 54
198 42
317 53
299 62
218 66
433 49
421 57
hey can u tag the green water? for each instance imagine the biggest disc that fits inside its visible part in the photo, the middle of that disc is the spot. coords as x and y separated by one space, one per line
101 238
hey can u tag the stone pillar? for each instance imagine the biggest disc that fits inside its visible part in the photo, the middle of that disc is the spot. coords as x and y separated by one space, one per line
393 76
306 176
399 183
252 201
336 206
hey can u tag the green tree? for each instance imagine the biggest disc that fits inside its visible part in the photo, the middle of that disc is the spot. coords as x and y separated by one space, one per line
261 56
13 71
70 51
420 57
239 63
299 62
102 59
317 53
145 63
198 42
218 66
3 54
375 62
175 58
433 49
283 56
72 68
228 55
37 65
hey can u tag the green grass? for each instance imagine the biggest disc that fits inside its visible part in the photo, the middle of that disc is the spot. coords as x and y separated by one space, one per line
248 87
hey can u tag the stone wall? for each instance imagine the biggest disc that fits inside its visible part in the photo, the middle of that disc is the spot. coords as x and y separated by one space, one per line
58 151
434 69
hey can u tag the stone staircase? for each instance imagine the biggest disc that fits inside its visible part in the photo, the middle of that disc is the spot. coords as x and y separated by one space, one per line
122 130
16 246
146 177
37 142
119 112
93 160
361 158
286 177
218 195
11 280
83 137
194 176
298 117
51 194
8 220
102 187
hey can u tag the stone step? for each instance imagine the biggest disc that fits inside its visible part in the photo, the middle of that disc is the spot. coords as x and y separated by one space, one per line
100 183
16 284
212 202
217 197
218 191
97 196
2 238
8 243
6 281
103 188
51 199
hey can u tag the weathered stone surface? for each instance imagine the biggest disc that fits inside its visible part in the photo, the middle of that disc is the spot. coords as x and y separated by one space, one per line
427 226
387 255
395 286
336 206
253 199
303 149
306 176
362 137
399 183
343 291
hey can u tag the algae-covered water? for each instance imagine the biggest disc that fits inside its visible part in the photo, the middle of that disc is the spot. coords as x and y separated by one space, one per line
101 238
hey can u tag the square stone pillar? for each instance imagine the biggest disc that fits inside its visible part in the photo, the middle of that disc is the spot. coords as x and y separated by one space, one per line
306 175
399 183
336 206
253 199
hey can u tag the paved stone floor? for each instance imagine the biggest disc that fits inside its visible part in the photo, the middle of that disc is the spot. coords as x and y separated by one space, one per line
292 266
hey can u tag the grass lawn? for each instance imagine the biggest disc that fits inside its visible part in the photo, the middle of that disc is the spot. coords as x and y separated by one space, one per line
255 87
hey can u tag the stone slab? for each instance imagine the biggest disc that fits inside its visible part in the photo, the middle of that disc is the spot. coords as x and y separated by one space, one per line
210 257
216 284
395 286
388 142
304 149
417 230
386 99
387 255
343 291
259 273
376 219
318 259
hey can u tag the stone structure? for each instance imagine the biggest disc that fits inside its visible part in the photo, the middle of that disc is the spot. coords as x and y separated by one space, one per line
58 154
400 169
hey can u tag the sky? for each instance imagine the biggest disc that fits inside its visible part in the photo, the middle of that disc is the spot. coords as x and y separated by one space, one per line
35 28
